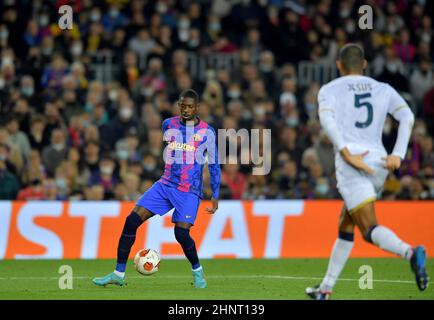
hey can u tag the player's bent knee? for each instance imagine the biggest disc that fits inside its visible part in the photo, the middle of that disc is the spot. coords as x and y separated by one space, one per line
142 212
367 234
183 225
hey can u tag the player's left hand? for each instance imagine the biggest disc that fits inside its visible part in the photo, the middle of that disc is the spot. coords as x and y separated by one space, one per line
215 205
392 162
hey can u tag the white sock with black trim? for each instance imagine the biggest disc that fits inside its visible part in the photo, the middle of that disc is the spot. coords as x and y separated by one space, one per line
340 254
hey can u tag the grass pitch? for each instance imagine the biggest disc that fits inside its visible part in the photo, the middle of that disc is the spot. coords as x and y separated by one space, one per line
227 279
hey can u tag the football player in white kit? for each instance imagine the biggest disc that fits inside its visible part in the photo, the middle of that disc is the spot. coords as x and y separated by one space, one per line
352 111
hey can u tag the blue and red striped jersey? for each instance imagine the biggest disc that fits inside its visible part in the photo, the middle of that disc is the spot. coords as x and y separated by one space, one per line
188 148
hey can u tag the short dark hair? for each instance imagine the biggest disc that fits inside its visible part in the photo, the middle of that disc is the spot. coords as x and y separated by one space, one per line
189 93
352 56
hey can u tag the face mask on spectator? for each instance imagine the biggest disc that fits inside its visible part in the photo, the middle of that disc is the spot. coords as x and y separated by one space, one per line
344 13
161 7
392 67
310 107
114 13
193 43
43 21
147 92
95 16
259 112
247 115
184 24
107 170
7 61
3 157
4 34
234 94
61 183
149 166
322 188
126 113
292 121
47 51
183 35
58 146
113 95
420 131
122 154
27 91
350 28
76 50
426 37
265 67
215 26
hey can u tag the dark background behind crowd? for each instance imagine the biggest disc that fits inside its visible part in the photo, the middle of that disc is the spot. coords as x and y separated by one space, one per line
66 134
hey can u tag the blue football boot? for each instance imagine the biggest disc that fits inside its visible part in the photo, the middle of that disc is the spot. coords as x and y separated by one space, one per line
417 263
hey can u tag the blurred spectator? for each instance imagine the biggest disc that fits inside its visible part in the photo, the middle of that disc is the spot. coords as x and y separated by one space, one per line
33 192
34 169
142 44
105 176
325 153
234 179
81 110
56 152
9 184
14 160
50 190
421 80
18 137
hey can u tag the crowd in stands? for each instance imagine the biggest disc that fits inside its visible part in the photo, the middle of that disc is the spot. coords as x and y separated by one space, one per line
66 135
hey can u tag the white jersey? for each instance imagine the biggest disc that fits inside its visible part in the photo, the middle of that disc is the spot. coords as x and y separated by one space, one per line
352 111
359 106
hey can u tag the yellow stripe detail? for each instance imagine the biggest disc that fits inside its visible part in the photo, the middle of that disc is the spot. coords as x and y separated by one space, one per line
399 108
361 205
325 109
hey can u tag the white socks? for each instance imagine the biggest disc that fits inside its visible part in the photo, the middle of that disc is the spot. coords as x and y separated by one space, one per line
381 236
119 274
340 254
387 240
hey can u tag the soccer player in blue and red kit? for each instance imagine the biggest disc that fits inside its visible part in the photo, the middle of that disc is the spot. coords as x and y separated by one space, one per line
191 142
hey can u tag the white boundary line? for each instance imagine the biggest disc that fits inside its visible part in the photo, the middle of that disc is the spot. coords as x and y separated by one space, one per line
213 277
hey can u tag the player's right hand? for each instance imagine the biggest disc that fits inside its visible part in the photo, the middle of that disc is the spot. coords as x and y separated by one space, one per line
356 160
215 205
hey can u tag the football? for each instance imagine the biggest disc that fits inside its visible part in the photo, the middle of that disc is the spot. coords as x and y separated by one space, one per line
147 261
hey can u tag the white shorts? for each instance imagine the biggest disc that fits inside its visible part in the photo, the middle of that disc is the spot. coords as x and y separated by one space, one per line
356 187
